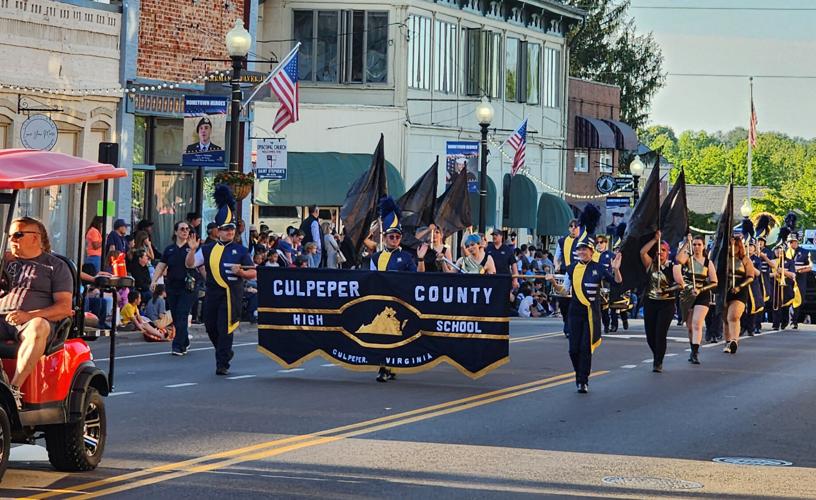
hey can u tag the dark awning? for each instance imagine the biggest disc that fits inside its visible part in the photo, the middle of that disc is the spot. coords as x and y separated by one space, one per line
520 202
321 179
625 137
554 215
490 216
593 133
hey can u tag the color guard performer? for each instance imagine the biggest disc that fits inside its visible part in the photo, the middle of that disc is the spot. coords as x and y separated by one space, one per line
661 292
740 275
698 279
226 264
586 276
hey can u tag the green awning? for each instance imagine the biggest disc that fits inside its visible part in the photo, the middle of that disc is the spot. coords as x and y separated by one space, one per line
490 216
521 202
321 179
554 215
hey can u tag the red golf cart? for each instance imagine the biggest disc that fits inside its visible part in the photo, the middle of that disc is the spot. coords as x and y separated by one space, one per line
62 398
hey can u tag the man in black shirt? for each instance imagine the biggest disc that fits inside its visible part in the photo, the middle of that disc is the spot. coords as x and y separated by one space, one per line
503 256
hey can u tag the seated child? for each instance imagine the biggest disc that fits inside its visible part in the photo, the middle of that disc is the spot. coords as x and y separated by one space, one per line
133 321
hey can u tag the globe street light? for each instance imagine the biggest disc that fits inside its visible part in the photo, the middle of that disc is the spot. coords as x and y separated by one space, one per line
238 41
745 209
484 114
636 169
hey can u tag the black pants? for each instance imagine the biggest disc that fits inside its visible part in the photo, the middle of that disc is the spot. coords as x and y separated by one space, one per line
564 306
605 318
580 350
781 317
714 324
613 317
215 322
657 317
801 281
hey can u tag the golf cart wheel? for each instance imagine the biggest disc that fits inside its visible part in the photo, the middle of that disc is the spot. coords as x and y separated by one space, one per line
78 446
5 441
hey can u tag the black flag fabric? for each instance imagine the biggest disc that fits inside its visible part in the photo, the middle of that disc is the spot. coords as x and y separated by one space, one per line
674 222
362 320
418 205
720 253
453 207
642 227
359 209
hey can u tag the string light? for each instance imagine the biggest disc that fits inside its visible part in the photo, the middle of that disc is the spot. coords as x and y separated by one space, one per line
115 90
526 171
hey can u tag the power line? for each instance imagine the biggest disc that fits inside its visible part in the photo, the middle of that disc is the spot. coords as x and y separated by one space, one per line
748 9
729 75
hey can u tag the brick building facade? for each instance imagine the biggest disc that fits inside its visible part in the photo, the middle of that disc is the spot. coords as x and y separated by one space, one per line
172 33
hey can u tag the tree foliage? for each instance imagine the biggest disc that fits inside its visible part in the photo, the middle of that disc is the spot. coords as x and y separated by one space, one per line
607 48
784 165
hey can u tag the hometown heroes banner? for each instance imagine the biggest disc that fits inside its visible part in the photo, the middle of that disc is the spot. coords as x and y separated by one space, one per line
409 322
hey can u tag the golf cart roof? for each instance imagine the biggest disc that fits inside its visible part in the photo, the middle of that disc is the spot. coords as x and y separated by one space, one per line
28 169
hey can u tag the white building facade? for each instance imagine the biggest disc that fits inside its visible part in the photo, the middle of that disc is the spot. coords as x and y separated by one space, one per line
61 66
414 70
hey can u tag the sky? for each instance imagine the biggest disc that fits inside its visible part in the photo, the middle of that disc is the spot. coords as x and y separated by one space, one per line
734 42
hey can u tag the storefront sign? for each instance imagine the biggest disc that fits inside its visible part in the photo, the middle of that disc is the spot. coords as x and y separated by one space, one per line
39 132
205 125
271 163
460 155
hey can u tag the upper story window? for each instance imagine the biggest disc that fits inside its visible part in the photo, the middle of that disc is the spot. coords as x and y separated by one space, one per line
533 73
445 57
419 52
552 78
605 160
347 46
511 70
483 68
581 161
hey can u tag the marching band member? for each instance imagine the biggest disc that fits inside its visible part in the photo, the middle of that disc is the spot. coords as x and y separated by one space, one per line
223 260
620 302
741 274
765 254
567 252
392 257
658 307
698 278
756 293
801 261
605 258
586 276
784 294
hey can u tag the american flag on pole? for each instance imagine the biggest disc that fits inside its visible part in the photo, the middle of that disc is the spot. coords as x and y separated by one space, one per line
518 141
283 82
752 129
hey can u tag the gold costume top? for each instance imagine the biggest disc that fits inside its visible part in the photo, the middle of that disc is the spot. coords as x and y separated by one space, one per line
737 274
661 282
696 270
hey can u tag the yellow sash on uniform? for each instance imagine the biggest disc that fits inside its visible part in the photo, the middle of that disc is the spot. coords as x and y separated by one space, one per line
578 290
383 260
215 269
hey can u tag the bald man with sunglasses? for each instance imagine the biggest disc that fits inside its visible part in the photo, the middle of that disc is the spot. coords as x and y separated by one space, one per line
37 293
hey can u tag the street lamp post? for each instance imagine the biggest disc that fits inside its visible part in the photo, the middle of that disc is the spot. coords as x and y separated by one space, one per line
636 169
484 114
238 41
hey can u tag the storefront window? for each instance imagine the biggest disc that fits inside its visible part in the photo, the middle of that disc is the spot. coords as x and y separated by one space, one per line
137 191
173 198
140 141
57 208
169 141
208 205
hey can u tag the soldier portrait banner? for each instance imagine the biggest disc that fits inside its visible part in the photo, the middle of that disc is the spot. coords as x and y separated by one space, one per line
361 320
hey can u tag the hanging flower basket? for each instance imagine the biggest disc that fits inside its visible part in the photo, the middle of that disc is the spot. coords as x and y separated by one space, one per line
240 183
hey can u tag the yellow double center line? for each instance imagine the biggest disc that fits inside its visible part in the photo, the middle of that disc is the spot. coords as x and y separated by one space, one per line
276 447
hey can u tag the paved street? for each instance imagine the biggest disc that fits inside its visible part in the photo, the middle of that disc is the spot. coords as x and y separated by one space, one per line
178 431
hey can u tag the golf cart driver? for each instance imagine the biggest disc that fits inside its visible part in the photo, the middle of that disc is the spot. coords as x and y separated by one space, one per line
37 295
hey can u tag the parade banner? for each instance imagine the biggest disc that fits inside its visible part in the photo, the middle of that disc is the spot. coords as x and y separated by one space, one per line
362 320
205 125
462 155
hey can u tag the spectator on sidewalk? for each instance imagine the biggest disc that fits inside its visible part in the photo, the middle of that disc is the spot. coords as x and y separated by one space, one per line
133 321
93 244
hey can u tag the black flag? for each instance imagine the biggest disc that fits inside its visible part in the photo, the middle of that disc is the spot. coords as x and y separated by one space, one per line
720 252
453 207
359 209
418 205
674 223
642 227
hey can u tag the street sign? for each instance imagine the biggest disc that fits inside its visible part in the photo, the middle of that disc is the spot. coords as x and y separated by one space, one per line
605 184
271 163
623 184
